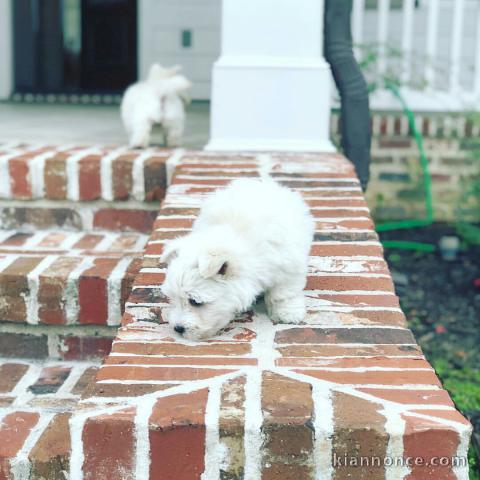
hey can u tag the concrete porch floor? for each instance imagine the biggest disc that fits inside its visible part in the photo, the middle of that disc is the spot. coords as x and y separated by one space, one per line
87 124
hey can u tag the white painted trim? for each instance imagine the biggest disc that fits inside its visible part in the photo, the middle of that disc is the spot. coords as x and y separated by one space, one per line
6 46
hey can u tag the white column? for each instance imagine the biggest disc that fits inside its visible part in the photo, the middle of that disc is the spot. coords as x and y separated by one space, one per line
6 45
271 84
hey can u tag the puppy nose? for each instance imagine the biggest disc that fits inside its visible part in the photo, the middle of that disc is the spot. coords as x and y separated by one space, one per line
179 329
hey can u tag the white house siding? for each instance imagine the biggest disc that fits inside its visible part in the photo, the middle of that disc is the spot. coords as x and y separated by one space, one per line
161 23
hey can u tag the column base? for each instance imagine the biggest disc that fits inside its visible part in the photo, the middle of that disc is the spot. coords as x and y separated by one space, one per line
281 104
269 145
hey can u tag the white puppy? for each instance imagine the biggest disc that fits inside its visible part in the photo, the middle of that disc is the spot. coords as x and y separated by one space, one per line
251 238
158 99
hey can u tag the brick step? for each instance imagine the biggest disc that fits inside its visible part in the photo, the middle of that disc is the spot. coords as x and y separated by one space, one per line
36 404
81 188
64 280
265 401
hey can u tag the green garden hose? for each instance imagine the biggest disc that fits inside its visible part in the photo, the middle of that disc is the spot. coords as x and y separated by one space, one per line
427 182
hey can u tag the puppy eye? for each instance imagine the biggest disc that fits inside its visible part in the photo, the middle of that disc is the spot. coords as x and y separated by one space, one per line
194 303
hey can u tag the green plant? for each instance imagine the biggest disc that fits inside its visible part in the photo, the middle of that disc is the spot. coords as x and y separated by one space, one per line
470 202
464 388
470 198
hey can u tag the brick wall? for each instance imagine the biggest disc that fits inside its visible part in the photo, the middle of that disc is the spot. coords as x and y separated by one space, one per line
396 190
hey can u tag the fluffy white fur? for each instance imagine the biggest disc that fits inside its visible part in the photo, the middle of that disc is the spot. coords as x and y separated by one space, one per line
158 99
251 238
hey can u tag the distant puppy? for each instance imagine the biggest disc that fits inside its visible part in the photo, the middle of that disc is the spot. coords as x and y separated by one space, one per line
251 238
158 99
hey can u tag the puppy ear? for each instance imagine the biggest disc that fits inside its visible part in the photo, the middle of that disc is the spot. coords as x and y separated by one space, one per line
212 264
170 250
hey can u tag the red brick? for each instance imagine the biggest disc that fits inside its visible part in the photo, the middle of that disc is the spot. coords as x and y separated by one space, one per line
14 287
172 360
89 177
180 172
327 201
340 283
85 347
167 235
14 430
122 220
49 457
23 345
345 250
52 290
358 435
180 223
177 437
115 372
397 126
144 348
28 215
397 377
287 408
50 380
395 143
428 439
345 225
193 167
153 249
128 280
155 175
88 241
53 240
414 397
337 213
334 193
124 242
231 425
149 279
93 292
388 301
87 377
16 240
358 362
19 177
122 180
10 375
333 350
179 179
123 390
109 446
345 335
55 177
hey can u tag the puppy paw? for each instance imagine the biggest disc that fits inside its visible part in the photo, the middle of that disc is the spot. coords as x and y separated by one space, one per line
288 311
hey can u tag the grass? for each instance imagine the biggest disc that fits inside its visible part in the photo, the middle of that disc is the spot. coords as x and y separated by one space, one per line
464 388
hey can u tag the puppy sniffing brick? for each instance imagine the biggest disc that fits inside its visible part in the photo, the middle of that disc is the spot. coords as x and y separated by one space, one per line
250 238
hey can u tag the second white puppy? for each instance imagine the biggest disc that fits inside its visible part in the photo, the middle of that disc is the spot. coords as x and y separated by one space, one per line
157 100
251 238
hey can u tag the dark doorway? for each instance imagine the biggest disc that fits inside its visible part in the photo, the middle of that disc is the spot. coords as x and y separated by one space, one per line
109 44
75 46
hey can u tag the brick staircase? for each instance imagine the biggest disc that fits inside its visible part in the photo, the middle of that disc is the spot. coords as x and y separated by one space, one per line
260 401
73 226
